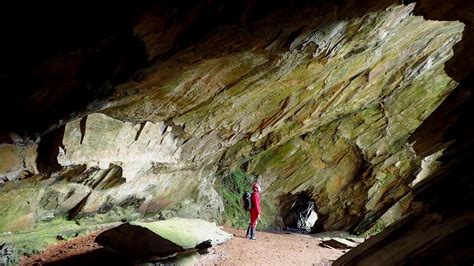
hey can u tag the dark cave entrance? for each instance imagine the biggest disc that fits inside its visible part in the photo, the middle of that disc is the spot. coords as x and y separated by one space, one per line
298 212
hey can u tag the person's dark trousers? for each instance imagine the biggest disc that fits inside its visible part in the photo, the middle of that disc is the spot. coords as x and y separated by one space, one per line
248 232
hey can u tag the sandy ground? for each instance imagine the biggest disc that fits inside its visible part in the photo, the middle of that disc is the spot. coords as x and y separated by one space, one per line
270 248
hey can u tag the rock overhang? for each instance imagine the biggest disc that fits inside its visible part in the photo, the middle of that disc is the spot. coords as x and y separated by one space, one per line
254 92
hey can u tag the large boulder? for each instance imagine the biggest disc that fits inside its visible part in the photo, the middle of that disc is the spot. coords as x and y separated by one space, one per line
18 159
162 239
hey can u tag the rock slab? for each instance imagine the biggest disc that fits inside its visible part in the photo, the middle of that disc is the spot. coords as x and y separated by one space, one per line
162 239
339 243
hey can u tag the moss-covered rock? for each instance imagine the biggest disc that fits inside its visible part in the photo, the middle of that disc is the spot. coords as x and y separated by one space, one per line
187 233
232 188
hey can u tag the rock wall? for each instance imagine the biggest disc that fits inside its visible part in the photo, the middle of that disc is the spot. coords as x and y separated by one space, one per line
312 105
111 171
98 140
436 231
303 100
95 196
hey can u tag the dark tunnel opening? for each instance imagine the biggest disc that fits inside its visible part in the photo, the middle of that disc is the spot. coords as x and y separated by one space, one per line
298 212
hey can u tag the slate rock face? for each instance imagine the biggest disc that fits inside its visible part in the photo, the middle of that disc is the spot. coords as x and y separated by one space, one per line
316 100
98 140
329 113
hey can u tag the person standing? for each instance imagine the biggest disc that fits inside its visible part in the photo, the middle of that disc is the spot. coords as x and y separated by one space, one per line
255 211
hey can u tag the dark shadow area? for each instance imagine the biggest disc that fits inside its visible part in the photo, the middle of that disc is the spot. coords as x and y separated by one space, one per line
48 150
57 57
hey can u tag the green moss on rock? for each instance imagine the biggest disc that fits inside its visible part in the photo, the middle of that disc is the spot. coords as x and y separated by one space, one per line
232 188
187 232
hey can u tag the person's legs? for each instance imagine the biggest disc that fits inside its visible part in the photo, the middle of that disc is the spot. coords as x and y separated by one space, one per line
253 234
252 226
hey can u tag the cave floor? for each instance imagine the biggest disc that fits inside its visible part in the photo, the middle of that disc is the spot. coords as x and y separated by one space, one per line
271 248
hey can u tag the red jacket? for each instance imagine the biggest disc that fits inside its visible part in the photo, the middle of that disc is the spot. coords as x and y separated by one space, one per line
255 210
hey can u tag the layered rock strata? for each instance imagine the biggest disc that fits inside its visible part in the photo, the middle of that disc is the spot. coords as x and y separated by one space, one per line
304 103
